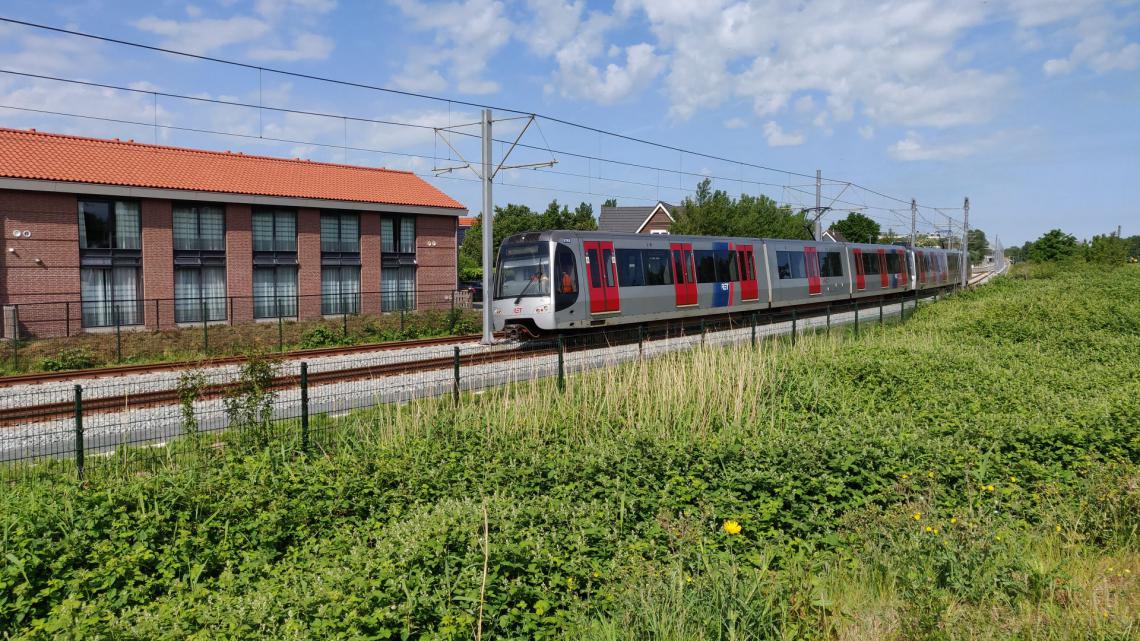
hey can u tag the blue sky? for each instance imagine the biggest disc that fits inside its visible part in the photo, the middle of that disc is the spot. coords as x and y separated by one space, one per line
1029 107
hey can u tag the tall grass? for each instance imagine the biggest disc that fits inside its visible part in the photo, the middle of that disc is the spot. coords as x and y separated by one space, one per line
969 474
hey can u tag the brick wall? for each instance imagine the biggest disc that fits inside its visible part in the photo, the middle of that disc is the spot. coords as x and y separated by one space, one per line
53 220
239 261
658 221
436 260
309 263
157 263
369 263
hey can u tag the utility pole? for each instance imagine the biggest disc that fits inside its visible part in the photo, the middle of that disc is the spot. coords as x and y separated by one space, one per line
488 245
966 242
818 203
913 222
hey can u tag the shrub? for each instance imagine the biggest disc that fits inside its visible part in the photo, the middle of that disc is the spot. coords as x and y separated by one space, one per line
322 336
69 358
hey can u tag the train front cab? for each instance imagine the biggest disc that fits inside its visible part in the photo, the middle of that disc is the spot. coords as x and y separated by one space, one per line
535 280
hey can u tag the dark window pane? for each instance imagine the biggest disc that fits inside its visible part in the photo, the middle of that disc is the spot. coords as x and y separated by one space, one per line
96 225
706 266
790 265
595 275
657 270
607 266
830 265
629 268
566 273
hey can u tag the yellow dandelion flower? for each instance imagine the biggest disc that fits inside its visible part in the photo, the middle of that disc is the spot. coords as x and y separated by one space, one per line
732 527
953 520
936 530
1127 571
997 538
1013 479
930 475
918 516
905 476
990 488
928 528
1058 528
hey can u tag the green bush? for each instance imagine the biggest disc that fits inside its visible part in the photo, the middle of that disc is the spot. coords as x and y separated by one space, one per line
69 358
321 336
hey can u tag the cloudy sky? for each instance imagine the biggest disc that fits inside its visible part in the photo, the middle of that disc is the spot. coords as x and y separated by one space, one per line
1029 107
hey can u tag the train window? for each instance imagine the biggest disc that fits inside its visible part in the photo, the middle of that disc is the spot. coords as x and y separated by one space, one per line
870 264
790 265
706 266
726 268
629 268
894 264
566 273
607 266
830 264
657 270
593 261
679 261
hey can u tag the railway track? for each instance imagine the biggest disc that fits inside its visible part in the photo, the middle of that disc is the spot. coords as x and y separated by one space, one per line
124 370
126 402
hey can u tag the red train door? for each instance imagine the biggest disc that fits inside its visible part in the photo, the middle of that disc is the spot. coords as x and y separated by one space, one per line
811 263
601 270
684 274
746 267
860 277
884 277
903 278
920 266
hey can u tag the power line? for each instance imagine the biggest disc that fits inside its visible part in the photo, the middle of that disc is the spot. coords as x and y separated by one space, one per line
359 85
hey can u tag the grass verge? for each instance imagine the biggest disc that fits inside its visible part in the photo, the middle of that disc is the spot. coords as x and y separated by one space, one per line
969 474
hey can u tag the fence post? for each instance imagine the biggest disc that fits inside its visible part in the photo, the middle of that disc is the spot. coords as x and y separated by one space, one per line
702 331
793 327
205 327
640 340
402 317
118 332
304 406
754 329
880 311
455 380
856 316
67 318
79 431
561 365
16 337
346 321
829 318
157 320
230 310
280 325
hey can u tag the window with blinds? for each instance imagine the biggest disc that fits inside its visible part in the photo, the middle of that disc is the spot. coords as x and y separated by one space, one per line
199 228
274 231
340 233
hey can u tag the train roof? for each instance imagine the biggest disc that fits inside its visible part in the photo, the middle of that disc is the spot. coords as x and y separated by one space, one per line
567 234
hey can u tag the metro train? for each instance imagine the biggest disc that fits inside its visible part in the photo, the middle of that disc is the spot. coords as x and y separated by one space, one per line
555 281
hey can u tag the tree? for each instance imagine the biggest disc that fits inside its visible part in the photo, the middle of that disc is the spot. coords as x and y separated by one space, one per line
715 213
1054 245
1133 243
890 237
977 243
610 202
1109 249
516 219
857 228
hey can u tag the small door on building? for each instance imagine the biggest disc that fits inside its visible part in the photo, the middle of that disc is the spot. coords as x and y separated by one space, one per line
811 260
746 261
884 275
860 277
601 269
684 274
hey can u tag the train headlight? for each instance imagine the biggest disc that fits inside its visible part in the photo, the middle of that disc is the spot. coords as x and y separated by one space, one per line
498 312
541 309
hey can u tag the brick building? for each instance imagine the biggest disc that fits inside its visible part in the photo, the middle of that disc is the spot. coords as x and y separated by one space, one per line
104 232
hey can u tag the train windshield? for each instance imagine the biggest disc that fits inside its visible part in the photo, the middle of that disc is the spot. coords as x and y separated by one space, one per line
524 271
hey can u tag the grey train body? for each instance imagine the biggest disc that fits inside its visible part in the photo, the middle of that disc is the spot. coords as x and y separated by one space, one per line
572 280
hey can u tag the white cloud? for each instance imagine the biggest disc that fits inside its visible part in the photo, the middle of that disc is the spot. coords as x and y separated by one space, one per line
205 35
307 46
1101 45
578 78
776 137
735 123
866 132
914 148
467 34
552 24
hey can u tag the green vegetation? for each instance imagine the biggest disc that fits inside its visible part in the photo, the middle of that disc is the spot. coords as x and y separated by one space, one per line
970 474
1055 246
857 228
83 351
715 213
516 219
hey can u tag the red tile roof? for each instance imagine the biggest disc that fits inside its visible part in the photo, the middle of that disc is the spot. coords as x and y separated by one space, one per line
468 221
45 156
